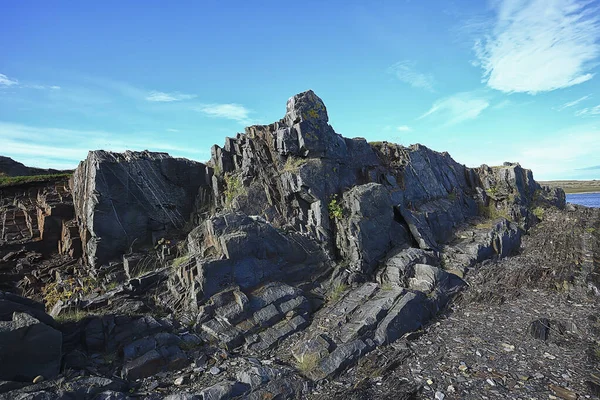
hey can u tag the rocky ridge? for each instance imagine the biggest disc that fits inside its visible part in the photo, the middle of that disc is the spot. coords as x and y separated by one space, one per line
290 257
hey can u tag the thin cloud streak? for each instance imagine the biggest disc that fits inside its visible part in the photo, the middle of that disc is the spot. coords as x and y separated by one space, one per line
458 108
406 72
168 97
573 103
588 111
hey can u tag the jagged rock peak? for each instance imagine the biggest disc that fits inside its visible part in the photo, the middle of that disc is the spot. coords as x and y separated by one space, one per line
306 106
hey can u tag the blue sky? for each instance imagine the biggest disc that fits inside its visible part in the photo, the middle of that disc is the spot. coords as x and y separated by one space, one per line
504 80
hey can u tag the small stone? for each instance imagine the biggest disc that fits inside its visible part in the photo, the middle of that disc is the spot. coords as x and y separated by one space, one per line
563 393
439 396
549 356
38 379
538 375
478 353
490 382
215 371
507 347
179 381
451 389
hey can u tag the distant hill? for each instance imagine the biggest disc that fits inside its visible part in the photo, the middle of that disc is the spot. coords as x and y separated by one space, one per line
574 186
10 167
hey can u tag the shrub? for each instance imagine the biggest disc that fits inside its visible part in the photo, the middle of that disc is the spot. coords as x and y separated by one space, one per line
335 208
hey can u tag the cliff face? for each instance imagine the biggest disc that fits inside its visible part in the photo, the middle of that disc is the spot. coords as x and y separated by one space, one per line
292 243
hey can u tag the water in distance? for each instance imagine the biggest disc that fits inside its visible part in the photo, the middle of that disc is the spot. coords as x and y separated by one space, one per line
585 199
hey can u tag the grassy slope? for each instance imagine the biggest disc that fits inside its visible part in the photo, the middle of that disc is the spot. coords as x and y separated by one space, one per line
575 186
6 181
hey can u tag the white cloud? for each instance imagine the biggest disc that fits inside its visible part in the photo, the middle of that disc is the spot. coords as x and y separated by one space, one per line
573 103
406 72
404 128
168 97
232 111
6 81
458 108
540 45
588 111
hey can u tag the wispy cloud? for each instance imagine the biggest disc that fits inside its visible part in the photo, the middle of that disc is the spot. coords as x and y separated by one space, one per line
588 111
404 128
168 97
540 45
458 108
49 147
42 87
406 72
573 103
6 81
231 111
592 168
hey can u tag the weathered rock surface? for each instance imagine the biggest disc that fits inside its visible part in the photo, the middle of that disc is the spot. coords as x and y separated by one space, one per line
28 348
130 200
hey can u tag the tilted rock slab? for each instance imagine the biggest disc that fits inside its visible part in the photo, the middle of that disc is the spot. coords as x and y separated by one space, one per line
131 200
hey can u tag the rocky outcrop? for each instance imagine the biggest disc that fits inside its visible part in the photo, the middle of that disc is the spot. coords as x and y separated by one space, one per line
287 258
131 200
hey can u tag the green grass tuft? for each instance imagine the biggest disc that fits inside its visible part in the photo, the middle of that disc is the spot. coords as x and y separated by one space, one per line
293 164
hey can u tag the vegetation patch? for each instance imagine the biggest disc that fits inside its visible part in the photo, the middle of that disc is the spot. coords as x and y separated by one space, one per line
539 213
492 212
337 292
54 292
6 181
308 363
335 208
293 164
71 315
181 260
234 189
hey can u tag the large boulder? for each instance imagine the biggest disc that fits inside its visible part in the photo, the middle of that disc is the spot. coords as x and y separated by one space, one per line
28 348
365 226
132 199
